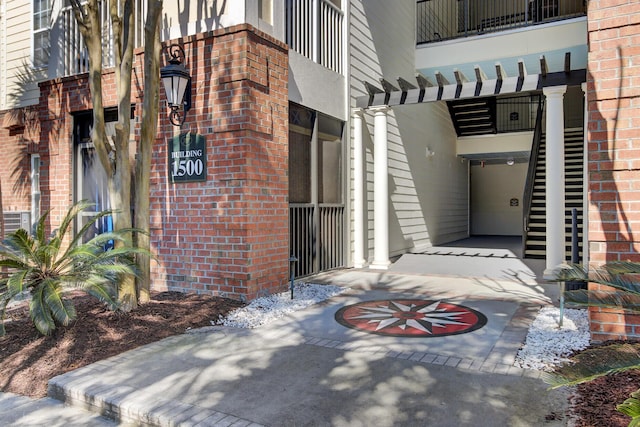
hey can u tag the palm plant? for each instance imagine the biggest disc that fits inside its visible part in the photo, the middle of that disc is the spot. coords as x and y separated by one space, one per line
48 269
623 293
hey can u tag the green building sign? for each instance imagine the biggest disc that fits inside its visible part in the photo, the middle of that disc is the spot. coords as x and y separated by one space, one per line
188 158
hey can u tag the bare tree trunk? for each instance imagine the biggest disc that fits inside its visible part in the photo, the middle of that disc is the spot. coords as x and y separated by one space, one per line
145 145
122 19
115 155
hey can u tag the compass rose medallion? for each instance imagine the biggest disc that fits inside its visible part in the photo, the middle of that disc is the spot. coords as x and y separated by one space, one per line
410 318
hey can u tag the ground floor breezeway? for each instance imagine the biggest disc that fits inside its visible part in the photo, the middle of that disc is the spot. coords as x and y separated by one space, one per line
483 257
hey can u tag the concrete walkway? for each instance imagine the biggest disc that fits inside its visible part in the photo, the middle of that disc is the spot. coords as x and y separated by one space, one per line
306 369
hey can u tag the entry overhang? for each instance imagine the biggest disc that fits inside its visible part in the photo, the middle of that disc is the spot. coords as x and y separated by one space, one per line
464 89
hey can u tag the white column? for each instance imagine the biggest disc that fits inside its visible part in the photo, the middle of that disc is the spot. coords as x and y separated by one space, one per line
358 190
380 189
554 183
585 182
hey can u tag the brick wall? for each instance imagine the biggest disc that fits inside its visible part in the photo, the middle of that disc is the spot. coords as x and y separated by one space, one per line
614 130
229 235
48 131
613 85
16 145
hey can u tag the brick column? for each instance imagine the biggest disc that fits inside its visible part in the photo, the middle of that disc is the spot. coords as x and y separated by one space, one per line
228 236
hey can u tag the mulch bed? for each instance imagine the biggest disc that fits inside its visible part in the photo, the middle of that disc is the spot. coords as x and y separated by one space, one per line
28 360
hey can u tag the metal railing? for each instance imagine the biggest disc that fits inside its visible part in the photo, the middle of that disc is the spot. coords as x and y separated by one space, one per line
302 238
317 243
315 30
438 20
516 114
331 237
74 56
531 174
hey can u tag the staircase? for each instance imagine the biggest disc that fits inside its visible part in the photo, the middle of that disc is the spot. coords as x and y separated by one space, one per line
535 232
475 116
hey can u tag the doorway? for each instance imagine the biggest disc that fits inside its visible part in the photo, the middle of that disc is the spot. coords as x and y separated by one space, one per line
90 178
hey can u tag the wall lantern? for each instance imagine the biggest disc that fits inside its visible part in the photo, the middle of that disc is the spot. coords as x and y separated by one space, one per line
177 85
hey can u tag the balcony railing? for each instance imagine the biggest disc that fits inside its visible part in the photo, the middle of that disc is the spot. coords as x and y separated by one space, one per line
449 19
74 58
315 30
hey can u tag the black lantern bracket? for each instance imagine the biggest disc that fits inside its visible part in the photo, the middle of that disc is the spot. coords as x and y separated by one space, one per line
177 84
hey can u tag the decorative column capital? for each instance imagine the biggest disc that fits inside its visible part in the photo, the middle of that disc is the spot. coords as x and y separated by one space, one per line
357 112
379 109
554 91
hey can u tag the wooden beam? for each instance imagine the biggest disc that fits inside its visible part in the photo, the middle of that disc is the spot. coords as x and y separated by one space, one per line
372 89
480 74
442 80
405 86
423 82
500 73
544 68
522 69
388 87
460 77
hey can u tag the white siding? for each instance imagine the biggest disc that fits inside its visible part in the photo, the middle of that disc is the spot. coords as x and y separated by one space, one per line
181 18
428 194
19 79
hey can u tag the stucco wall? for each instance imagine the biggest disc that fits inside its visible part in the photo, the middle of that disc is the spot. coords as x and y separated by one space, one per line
492 188
305 88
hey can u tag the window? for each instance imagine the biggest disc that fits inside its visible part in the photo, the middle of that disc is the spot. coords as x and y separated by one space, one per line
301 122
90 176
329 160
41 13
35 189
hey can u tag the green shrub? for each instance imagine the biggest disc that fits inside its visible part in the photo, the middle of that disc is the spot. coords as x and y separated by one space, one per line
47 269
623 278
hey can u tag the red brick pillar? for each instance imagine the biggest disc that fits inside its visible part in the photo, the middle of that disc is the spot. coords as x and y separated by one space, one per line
228 235
614 145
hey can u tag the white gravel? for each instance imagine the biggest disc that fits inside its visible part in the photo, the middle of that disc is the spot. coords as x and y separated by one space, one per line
267 309
547 345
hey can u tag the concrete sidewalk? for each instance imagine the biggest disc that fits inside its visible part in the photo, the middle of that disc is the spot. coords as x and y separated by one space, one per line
306 369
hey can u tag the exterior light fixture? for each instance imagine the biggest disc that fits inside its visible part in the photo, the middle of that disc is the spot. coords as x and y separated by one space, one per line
177 85
510 161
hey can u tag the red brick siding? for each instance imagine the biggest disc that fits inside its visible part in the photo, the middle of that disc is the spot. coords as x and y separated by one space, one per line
228 236
612 324
613 130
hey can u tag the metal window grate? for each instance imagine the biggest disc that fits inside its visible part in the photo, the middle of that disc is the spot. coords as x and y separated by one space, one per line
315 30
16 220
